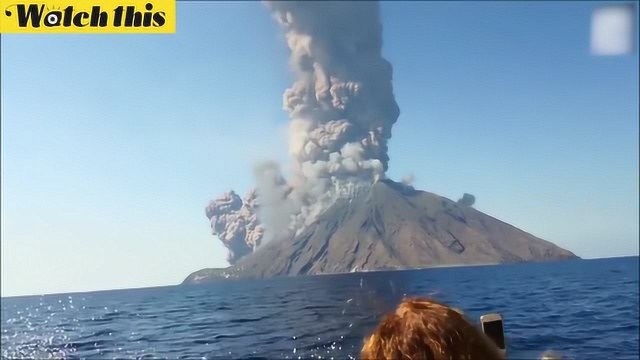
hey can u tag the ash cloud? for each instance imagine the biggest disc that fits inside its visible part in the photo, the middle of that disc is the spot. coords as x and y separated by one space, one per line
341 109
467 200
235 223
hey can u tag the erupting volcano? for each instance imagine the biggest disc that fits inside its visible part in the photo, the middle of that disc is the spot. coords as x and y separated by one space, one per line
338 212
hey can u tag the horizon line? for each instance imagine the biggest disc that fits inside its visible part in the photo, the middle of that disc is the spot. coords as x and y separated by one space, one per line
175 285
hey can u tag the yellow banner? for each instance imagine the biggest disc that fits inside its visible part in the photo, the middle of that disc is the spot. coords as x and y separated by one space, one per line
88 16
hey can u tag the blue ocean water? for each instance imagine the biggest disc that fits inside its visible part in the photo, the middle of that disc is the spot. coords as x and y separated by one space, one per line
586 309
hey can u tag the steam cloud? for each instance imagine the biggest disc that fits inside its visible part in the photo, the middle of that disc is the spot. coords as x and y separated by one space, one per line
341 110
408 179
467 200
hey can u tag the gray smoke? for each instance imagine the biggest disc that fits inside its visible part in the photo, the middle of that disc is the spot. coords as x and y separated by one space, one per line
278 206
341 108
235 223
467 200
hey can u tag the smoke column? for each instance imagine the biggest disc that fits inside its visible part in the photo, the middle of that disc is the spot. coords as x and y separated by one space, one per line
341 110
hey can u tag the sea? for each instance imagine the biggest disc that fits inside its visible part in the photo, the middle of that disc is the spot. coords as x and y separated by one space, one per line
583 309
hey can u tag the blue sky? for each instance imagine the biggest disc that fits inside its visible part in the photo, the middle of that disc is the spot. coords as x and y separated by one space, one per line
113 145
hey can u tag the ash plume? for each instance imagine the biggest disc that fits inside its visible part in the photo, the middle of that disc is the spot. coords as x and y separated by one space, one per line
341 108
467 200
235 223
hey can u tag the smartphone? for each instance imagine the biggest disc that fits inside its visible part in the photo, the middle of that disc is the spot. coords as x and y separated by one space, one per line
492 326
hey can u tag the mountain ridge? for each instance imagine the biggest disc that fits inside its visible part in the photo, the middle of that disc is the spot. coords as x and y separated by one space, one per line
391 226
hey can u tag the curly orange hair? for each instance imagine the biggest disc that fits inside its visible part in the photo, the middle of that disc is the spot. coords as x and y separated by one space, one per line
427 330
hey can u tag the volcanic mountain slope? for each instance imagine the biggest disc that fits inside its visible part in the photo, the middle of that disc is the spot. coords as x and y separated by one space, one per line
393 226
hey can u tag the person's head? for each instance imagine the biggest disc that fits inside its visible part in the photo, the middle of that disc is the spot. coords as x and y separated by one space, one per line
428 330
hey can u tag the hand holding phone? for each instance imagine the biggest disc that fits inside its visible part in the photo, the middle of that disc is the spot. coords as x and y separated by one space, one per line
492 326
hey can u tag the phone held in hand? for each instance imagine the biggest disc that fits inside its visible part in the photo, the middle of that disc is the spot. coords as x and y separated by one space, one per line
493 327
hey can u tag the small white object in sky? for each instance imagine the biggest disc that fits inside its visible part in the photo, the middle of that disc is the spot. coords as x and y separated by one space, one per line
612 30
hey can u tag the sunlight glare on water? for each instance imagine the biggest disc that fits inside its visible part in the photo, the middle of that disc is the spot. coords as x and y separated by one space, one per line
584 309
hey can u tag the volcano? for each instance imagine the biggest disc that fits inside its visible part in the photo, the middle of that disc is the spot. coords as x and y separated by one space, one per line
391 226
